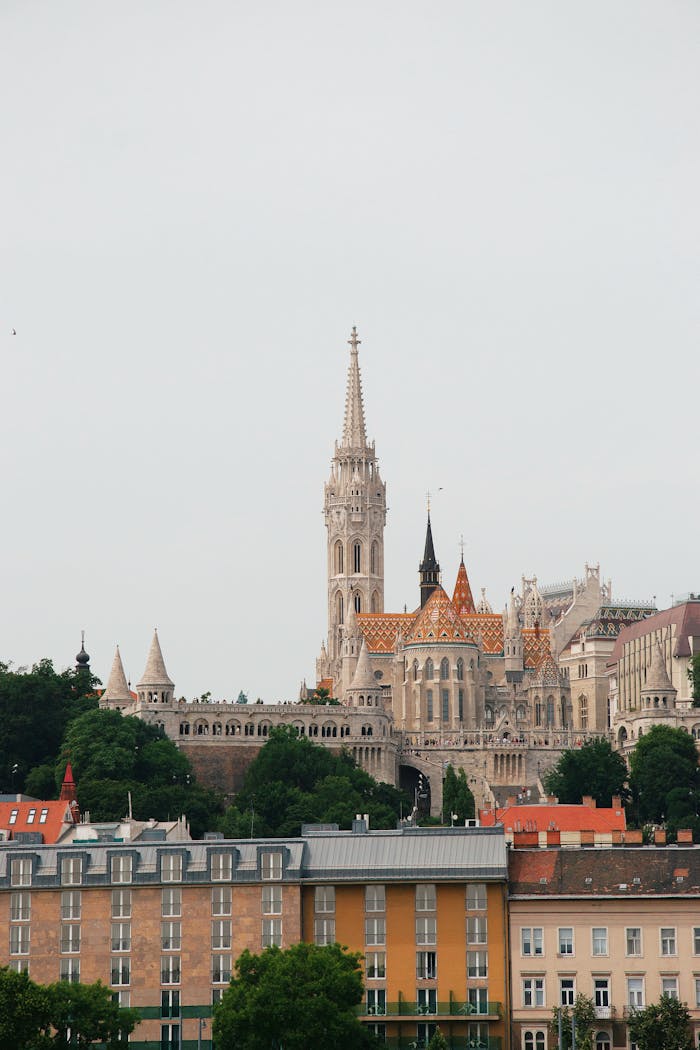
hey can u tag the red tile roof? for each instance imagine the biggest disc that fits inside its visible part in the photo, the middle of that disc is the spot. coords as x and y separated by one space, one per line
686 617
49 819
555 818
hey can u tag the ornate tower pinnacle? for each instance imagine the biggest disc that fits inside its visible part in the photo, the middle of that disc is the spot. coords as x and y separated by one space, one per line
355 513
429 569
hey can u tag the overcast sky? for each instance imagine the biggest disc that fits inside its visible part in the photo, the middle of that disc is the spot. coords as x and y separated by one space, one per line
199 200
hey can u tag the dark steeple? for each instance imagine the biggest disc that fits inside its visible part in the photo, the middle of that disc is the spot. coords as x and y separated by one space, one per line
82 660
429 569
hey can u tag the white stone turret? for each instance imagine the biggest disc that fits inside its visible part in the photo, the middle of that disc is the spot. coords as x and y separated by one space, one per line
512 638
117 694
155 687
355 515
364 690
658 693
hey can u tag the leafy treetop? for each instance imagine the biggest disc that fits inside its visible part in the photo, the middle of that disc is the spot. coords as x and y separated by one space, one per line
593 769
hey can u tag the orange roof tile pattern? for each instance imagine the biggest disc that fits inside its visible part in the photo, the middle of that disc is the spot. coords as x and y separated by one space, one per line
439 621
49 819
326 683
462 598
555 818
546 671
535 646
380 629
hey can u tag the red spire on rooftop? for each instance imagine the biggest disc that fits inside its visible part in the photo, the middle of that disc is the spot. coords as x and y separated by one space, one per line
462 597
69 792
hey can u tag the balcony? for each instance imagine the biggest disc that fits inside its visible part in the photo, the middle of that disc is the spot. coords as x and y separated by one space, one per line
453 1008
455 1042
604 1013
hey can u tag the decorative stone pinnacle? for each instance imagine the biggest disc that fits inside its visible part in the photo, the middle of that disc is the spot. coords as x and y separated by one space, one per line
353 341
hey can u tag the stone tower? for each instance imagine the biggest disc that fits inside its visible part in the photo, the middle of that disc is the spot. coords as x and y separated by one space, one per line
354 506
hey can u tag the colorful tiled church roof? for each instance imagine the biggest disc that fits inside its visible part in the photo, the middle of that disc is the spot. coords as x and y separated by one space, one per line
462 597
546 671
439 621
380 629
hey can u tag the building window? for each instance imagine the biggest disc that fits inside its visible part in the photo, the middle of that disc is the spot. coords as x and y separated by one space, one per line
668 940
429 670
375 898
221 899
425 897
170 1037
424 1033
669 986
426 931
171 902
476 929
122 999
70 904
477 964
533 991
339 558
221 867
375 931
71 871
696 940
376 1001
170 936
429 705
478 1000
633 940
120 970
697 991
171 867
566 940
272 933
444 669
426 966
339 607
601 994
583 712
566 991
531 940
19 940
170 969
460 704
121 937
534 1040
477 1033
445 697
121 905
70 938
121 868
375 966
426 1000
70 970
476 896
221 969
221 933
271 900
357 557
635 991
20 907
460 670
170 1003
324 899
602 1041
600 940
271 866
21 872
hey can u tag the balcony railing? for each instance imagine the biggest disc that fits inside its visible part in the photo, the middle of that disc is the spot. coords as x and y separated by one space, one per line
604 1013
453 1008
455 1042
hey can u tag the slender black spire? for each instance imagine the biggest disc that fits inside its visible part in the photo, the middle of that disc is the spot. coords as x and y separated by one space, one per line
82 660
429 569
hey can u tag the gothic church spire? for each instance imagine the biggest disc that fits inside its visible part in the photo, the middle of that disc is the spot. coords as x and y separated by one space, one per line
354 432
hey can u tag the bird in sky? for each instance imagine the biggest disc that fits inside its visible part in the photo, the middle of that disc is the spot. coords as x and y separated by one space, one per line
14 331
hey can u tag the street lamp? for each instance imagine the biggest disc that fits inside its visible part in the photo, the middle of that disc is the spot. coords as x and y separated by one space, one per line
202 1024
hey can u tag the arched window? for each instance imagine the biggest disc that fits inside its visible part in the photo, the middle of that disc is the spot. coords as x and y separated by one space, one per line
429 670
374 559
375 602
460 704
339 607
415 670
550 710
429 705
520 713
563 712
538 713
602 1041
488 713
444 669
583 711
460 670
339 560
216 729
357 557
358 602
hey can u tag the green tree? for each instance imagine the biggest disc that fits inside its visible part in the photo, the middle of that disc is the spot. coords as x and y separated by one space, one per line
584 1016
694 677
25 1010
663 763
662 1026
90 1014
113 755
303 996
593 769
293 782
438 1041
35 708
457 799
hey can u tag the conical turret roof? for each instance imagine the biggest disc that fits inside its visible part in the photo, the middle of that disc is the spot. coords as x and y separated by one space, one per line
429 563
155 673
117 685
462 597
437 621
658 680
364 675
354 433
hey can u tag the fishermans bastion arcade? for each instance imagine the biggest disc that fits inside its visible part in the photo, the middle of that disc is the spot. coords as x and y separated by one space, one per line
497 694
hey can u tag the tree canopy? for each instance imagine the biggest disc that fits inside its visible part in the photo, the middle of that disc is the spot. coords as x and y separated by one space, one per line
40 1017
294 782
299 997
583 1014
664 1025
664 776
112 755
593 769
694 677
457 799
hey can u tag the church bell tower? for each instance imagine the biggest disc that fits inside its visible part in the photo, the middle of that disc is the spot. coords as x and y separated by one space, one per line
354 506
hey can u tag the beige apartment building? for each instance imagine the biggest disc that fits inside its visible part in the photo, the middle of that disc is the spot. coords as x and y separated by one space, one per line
621 925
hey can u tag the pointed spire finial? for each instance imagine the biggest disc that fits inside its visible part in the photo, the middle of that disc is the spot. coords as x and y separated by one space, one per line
427 501
353 341
354 433
461 546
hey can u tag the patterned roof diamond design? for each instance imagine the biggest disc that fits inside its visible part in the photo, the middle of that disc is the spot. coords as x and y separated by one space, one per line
546 671
462 597
380 629
610 619
488 628
535 646
484 605
438 621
